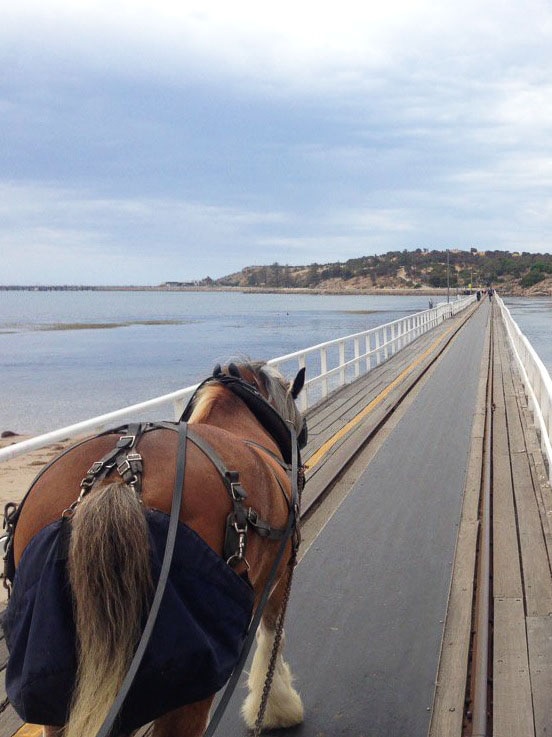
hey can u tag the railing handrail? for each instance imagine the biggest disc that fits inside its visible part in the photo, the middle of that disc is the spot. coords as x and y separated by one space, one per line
536 380
394 338
335 341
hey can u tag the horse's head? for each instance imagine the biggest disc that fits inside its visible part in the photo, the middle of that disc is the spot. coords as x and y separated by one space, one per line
278 392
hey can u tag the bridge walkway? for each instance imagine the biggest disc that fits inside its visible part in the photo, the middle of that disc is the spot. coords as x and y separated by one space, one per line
380 621
379 629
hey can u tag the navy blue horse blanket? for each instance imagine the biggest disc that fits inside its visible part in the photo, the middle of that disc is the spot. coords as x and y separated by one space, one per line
196 642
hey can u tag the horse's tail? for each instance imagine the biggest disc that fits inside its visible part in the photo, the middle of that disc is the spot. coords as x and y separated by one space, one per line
109 571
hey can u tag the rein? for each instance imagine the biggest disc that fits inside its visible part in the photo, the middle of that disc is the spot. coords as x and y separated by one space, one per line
293 519
111 718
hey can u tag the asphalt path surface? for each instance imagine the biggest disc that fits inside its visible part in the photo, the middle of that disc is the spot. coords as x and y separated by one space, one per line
369 599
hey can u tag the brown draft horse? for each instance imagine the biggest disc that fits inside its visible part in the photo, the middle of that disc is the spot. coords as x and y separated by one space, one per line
110 521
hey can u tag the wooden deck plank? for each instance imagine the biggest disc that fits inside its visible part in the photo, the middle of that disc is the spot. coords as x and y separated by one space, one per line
506 563
541 485
524 623
512 702
9 720
535 564
539 635
534 558
3 653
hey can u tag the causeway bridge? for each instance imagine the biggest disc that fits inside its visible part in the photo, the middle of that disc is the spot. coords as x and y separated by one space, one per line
422 602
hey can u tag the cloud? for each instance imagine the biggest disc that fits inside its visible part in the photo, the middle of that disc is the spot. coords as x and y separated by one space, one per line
105 241
300 44
179 139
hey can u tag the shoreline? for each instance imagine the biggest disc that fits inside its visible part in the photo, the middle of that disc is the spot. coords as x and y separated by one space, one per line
315 291
359 291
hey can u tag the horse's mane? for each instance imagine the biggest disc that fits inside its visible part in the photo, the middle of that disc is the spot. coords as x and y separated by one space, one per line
279 396
266 379
204 401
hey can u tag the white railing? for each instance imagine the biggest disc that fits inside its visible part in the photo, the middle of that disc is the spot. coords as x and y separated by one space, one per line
338 362
329 366
536 381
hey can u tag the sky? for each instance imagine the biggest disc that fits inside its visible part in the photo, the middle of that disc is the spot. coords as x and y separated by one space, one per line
152 140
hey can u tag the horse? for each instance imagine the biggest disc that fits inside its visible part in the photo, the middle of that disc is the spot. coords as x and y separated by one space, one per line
104 556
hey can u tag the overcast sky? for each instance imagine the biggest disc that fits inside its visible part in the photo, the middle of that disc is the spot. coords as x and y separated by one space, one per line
149 140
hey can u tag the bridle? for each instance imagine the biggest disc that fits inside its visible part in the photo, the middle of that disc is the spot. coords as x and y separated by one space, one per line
264 411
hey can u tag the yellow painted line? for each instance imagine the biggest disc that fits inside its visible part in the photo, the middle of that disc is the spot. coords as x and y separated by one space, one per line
29 730
329 444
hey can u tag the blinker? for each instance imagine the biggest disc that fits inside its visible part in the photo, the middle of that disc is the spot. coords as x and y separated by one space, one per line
303 436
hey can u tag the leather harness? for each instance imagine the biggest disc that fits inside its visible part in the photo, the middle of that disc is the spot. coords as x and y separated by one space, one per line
129 464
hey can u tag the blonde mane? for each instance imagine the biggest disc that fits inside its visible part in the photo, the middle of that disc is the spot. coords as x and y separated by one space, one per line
204 401
266 379
279 396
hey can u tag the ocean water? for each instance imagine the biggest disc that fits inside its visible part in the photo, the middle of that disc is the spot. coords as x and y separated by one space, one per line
534 317
68 356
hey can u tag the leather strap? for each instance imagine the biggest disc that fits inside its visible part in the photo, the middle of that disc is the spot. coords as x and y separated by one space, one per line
289 531
110 720
236 492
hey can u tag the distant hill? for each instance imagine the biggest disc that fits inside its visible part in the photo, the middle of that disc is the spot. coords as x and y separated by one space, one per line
510 273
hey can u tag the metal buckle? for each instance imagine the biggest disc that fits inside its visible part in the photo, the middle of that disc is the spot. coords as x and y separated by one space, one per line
237 491
252 516
122 444
126 464
239 555
95 468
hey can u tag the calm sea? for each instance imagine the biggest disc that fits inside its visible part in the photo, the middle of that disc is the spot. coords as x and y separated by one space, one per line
67 356
534 317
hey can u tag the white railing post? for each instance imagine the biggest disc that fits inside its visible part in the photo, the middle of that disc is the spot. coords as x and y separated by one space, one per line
357 356
342 362
324 371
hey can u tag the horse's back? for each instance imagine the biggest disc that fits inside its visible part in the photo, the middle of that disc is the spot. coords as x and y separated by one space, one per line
206 502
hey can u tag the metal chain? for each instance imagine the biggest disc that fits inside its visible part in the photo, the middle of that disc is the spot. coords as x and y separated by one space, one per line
279 631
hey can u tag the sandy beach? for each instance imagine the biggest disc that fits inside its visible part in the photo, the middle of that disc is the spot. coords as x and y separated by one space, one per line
17 474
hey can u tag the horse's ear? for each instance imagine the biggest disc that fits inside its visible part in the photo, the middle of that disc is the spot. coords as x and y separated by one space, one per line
233 370
217 371
298 383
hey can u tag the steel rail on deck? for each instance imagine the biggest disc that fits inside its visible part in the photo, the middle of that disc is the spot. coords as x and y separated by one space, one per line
480 674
